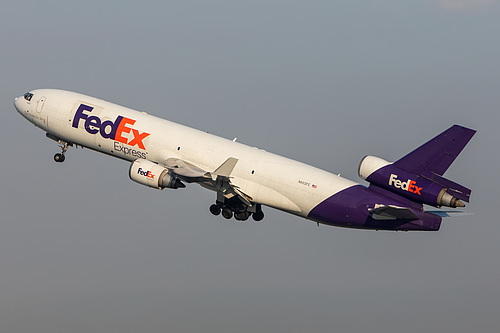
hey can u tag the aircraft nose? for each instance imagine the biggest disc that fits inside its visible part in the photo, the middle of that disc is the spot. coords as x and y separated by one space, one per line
17 104
20 105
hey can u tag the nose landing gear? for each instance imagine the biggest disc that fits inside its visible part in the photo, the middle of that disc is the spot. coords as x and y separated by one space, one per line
59 157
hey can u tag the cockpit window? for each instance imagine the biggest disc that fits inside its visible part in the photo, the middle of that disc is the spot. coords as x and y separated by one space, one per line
28 96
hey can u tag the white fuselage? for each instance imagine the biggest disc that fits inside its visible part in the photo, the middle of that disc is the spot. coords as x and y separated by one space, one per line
269 179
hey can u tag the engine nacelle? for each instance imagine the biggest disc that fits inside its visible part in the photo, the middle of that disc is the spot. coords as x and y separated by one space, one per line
153 175
407 184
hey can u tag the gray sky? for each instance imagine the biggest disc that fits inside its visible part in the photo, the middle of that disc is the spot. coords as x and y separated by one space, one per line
82 248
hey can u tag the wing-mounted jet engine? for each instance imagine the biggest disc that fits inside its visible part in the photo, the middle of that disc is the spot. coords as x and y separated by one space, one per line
153 175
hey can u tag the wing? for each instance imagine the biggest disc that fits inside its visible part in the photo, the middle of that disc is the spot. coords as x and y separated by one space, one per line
218 180
184 170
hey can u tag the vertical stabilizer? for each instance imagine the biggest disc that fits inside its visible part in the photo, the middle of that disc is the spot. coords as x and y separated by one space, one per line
435 156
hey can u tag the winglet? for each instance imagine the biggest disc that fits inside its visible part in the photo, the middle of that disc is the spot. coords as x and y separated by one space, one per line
226 168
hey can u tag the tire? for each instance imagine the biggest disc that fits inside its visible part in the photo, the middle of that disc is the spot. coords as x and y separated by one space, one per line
214 209
258 216
242 216
227 213
59 158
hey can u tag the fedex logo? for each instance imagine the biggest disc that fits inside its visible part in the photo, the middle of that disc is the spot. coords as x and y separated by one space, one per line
109 129
148 173
409 185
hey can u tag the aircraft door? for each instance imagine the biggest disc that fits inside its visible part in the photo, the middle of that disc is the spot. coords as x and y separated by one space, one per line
40 104
39 115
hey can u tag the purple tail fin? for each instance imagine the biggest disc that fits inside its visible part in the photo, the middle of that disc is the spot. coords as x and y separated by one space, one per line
435 156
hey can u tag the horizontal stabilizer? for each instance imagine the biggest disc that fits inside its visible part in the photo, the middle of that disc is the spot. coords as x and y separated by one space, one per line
436 156
447 213
390 212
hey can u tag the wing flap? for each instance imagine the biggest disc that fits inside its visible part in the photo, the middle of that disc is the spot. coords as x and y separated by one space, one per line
183 169
225 169
219 180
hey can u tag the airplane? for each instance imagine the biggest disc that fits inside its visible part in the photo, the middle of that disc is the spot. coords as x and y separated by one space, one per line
164 154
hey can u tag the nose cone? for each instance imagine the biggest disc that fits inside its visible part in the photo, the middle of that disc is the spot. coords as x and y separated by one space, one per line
18 104
22 107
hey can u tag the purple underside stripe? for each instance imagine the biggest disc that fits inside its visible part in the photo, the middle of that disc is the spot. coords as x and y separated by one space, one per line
350 208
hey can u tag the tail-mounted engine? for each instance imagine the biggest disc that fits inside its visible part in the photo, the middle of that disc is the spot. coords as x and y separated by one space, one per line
153 175
430 189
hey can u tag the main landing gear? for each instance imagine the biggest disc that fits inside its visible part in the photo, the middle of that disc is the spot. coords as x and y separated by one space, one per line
240 213
59 157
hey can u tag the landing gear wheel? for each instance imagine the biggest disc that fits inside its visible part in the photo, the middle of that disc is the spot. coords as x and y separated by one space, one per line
59 158
214 209
242 216
227 213
258 216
